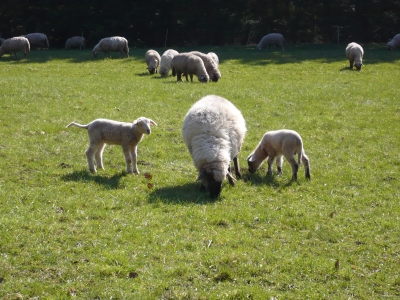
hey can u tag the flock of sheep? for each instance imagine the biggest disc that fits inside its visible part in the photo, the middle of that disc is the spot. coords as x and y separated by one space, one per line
213 128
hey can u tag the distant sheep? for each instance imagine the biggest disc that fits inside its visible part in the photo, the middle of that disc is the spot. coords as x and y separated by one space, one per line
275 144
213 131
112 44
14 45
189 64
152 60
128 135
37 40
166 60
271 40
394 43
75 42
214 57
211 67
355 53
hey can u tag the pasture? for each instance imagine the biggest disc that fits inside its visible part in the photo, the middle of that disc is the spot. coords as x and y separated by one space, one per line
66 233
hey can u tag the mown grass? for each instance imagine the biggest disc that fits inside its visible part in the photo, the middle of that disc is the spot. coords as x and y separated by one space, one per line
68 233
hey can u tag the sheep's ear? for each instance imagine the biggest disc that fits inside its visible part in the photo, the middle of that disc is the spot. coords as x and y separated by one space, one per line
201 175
231 179
152 122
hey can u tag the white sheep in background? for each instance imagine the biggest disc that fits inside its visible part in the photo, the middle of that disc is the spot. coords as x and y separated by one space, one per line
275 144
211 67
37 40
214 57
14 45
128 135
271 40
213 131
75 42
189 64
112 44
153 59
394 43
166 60
355 53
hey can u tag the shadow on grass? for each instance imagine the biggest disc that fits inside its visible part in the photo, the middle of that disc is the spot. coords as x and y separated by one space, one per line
181 194
271 181
110 183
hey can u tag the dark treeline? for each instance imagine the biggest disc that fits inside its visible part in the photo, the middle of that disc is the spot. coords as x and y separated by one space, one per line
205 22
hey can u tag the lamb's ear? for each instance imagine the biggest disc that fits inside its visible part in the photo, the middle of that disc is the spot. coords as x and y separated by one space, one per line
201 175
152 122
251 158
231 179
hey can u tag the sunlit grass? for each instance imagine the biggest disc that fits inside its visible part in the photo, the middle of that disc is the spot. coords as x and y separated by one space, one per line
65 232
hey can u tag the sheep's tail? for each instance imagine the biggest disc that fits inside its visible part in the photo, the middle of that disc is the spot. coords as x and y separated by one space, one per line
78 125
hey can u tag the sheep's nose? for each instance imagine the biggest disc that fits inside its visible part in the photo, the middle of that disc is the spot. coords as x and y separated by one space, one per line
148 131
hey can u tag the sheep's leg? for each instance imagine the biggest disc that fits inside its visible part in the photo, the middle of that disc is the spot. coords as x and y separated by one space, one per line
134 160
179 75
90 152
351 65
306 164
128 159
99 156
237 167
270 162
191 77
279 160
186 76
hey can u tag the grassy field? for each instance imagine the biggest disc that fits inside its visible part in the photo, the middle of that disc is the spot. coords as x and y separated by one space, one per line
66 233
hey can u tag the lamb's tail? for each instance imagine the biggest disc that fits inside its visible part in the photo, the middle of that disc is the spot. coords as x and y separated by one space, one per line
78 125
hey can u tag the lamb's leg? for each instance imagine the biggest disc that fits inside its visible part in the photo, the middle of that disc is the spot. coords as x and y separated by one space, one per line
99 156
134 160
279 160
90 152
270 162
306 164
237 167
295 166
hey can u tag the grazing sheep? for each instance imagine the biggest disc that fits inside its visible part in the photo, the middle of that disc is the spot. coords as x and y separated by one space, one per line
128 135
214 57
355 53
112 44
15 44
77 42
270 40
394 43
166 60
211 67
275 144
152 60
189 64
37 40
2 41
213 131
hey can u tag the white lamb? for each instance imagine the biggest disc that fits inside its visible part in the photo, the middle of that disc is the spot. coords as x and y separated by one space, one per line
214 130
214 57
271 40
37 40
211 67
355 53
128 135
394 43
189 64
75 42
14 45
166 60
275 144
152 60
112 44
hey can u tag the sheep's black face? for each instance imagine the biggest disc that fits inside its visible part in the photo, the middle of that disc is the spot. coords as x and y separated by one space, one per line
252 169
152 71
215 78
214 187
358 66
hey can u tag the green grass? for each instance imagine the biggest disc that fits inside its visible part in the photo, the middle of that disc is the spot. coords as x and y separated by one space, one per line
67 233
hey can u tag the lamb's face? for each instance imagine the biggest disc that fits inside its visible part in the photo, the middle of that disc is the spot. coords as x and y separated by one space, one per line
143 126
252 163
